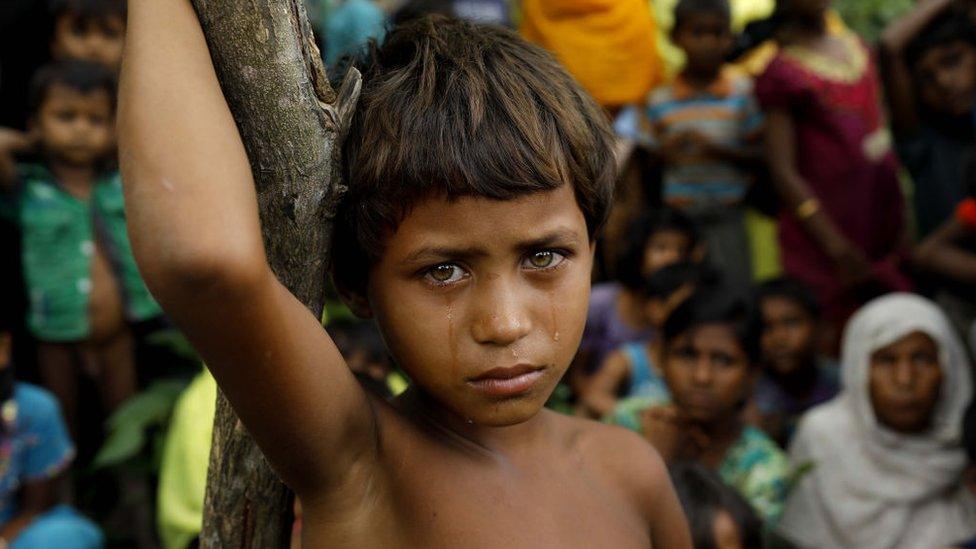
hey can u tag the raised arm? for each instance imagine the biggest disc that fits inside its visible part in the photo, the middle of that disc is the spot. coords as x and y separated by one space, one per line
898 82
193 221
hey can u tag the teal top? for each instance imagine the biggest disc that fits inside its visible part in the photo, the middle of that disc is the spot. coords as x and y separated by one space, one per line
58 232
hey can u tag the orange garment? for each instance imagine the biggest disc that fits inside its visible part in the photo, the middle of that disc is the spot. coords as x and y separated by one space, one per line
607 45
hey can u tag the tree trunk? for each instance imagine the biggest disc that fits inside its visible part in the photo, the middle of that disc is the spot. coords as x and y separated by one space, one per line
291 122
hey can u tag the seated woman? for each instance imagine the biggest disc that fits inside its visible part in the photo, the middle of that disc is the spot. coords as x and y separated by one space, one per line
886 454
710 362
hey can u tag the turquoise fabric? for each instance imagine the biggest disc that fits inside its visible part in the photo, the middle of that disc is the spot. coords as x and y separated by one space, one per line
59 232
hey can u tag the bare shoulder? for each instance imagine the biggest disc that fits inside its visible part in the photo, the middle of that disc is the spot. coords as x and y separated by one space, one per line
636 470
625 456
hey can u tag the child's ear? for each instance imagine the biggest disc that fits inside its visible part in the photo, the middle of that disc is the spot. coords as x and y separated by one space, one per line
354 298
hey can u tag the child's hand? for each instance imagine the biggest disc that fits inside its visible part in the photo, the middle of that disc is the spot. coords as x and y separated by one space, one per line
11 143
849 263
667 430
683 147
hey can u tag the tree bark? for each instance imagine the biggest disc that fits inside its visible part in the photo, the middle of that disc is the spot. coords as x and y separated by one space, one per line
291 122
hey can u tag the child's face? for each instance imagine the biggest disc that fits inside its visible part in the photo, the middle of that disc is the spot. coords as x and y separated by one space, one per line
706 39
482 302
708 372
946 76
99 41
905 381
665 248
788 336
74 127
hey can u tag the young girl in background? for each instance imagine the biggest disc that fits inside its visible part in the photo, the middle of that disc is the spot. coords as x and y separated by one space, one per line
842 226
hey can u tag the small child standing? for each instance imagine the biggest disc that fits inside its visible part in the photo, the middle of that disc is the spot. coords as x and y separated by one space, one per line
795 377
89 30
929 62
705 129
81 278
710 364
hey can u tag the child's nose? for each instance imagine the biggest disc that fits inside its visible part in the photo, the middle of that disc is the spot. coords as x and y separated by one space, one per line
501 317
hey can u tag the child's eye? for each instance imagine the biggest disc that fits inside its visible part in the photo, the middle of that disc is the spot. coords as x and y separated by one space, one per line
546 259
444 274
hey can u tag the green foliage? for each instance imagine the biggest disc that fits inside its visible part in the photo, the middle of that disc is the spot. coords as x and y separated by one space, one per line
143 417
869 17
175 341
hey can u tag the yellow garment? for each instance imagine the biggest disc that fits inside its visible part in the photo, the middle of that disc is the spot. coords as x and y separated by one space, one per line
607 45
743 13
183 472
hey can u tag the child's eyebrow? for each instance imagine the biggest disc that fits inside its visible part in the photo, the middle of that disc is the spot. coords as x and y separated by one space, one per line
559 237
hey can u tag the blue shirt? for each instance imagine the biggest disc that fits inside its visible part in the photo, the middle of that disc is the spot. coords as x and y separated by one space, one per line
35 444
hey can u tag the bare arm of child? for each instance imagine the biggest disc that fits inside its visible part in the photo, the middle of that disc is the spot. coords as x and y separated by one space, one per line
11 142
898 82
36 497
193 222
939 253
600 397
849 262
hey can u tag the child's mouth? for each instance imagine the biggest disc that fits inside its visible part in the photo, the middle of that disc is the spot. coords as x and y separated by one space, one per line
507 382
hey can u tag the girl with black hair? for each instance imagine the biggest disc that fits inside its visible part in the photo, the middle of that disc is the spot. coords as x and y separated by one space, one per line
718 516
710 365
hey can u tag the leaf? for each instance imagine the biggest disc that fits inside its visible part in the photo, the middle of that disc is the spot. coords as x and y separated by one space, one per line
175 341
121 445
150 407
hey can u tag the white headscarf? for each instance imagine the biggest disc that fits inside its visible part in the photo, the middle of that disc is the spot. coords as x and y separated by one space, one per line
870 486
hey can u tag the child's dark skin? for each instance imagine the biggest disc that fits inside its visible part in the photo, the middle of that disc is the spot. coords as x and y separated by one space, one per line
74 131
943 79
462 288
97 40
789 352
709 376
706 38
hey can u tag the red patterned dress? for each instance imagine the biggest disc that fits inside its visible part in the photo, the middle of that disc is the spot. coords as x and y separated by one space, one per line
843 152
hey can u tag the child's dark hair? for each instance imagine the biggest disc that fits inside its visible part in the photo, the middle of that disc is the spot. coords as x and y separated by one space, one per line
629 265
687 9
948 28
717 304
453 109
703 496
792 289
670 279
81 76
88 10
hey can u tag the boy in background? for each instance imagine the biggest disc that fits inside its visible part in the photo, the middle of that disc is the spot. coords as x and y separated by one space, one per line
89 30
705 128
81 278
467 233
795 378
929 62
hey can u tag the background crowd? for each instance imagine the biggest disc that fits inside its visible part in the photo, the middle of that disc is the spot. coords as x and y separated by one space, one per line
783 299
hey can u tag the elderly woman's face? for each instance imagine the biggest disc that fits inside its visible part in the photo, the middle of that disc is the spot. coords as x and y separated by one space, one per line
905 380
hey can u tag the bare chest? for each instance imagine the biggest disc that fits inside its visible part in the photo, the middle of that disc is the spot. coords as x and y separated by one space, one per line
454 504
